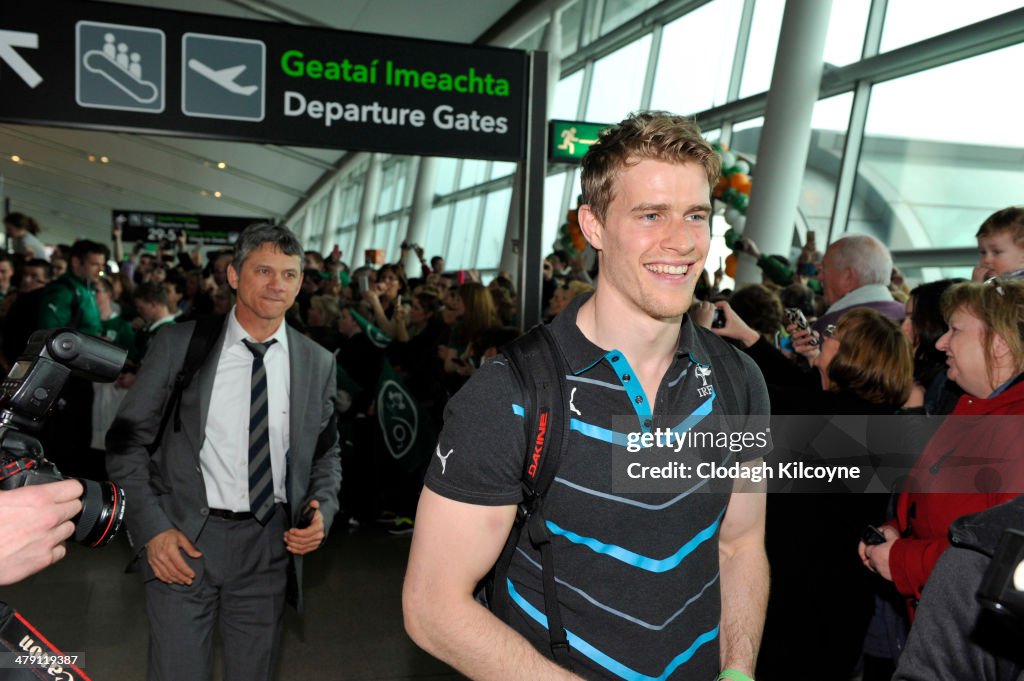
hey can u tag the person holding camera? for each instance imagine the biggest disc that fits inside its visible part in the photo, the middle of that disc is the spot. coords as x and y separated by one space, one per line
36 520
226 503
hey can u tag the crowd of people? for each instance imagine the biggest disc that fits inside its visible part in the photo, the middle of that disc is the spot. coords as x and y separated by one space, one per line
838 333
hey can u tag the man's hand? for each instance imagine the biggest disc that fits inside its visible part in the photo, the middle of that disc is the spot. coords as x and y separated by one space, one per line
34 522
164 555
301 542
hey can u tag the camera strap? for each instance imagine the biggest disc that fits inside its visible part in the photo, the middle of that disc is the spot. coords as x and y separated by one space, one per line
205 333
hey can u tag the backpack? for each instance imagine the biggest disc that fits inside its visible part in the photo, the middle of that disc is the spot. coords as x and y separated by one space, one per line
539 369
205 333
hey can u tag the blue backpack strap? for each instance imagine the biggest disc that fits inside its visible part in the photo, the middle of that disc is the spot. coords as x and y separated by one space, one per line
539 369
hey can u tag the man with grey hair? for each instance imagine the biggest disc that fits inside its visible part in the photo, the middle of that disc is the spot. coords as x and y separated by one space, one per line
244 478
855 272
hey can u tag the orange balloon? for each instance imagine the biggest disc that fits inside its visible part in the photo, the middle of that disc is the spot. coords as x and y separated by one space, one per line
740 182
720 186
730 265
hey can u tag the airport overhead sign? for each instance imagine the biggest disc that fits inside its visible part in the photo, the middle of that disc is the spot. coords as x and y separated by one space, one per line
119 67
155 226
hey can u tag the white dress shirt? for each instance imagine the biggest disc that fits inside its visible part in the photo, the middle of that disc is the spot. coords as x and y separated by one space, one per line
224 456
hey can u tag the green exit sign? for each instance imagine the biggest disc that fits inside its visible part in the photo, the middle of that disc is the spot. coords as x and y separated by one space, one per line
570 140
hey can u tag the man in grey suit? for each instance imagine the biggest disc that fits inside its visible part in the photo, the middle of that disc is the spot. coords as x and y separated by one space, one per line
215 512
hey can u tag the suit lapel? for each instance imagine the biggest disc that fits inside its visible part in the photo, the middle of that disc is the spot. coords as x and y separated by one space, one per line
299 364
204 380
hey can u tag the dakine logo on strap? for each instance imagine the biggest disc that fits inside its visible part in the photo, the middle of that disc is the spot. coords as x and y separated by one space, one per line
538 444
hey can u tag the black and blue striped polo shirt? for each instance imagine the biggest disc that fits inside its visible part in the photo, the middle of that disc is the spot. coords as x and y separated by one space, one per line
637 574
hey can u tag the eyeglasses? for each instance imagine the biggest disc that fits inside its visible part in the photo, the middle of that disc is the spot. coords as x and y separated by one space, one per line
830 331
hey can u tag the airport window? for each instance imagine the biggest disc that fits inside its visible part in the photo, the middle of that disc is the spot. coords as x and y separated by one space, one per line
437 231
444 180
618 12
502 169
618 82
385 237
907 21
493 228
829 124
386 199
843 43
572 22
473 172
694 62
764 37
346 240
566 102
928 174
464 232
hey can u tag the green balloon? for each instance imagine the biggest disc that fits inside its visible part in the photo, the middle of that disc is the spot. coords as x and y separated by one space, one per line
731 236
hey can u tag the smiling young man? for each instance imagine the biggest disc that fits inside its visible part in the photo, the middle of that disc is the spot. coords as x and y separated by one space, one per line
651 585
215 511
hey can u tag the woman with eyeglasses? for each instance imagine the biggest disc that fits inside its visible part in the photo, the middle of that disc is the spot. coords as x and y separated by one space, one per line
970 464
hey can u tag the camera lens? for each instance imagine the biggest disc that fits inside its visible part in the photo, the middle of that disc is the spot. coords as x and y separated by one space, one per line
102 513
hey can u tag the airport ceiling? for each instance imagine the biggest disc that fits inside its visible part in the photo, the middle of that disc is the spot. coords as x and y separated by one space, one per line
62 180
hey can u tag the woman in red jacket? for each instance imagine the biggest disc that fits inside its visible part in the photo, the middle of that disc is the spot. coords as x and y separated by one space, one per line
970 464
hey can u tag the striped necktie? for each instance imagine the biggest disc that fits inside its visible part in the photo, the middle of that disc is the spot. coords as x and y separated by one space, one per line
261 475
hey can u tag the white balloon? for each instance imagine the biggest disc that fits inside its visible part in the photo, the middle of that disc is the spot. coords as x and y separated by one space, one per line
730 215
739 222
728 159
742 166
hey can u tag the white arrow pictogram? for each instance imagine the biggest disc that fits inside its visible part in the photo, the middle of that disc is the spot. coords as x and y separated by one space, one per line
11 39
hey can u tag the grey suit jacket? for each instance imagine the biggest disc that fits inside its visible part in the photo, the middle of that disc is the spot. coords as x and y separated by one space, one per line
167 490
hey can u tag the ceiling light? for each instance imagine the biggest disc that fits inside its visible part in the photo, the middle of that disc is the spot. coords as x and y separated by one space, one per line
222 165
16 158
104 159
217 194
92 158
